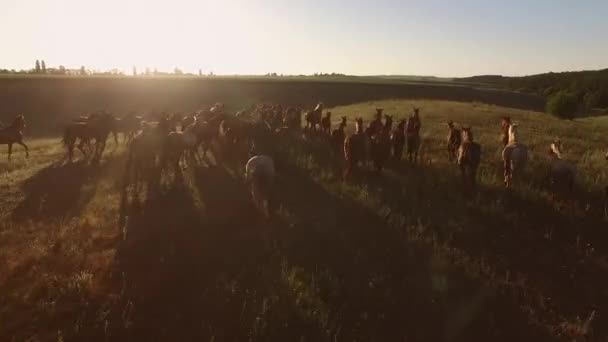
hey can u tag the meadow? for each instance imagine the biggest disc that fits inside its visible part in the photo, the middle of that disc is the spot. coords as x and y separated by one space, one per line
405 256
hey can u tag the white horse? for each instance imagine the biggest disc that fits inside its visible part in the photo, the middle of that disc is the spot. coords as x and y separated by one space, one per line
260 174
514 156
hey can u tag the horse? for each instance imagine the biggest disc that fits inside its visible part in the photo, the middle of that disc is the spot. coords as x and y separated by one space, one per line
504 131
13 134
413 135
97 127
469 157
313 117
514 156
326 123
260 174
187 121
144 149
453 141
380 145
177 144
354 148
338 136
398 140
562 172
128 125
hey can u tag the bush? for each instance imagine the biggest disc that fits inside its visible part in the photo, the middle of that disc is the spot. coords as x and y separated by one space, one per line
563 105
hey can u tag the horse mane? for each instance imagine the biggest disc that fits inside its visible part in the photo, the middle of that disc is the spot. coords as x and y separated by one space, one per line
513 134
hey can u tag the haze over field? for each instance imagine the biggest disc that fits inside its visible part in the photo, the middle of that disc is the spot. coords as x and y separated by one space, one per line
356 37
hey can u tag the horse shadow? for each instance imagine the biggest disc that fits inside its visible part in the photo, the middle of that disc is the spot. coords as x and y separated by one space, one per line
57 191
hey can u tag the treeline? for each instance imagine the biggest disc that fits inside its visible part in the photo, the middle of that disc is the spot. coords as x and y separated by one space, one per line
588 88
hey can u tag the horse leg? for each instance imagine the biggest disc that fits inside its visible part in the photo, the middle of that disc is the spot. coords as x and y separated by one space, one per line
10 150
27 152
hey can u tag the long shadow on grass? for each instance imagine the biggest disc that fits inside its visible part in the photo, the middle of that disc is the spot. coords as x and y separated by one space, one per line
507 229
58 191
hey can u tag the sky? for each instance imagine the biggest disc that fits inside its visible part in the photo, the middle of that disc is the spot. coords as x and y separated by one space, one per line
448 38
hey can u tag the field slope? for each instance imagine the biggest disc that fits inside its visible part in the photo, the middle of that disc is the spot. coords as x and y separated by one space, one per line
405 256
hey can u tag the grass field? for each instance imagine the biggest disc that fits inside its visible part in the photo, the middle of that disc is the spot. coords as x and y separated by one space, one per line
406 256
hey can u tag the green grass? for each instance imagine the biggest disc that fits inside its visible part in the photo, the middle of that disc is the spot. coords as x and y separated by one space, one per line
402 256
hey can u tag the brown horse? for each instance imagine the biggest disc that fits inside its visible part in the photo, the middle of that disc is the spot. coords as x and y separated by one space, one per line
96 128
469 157
380 146
514 156
128 125
13 134
313 117
562 173
504 131
354 149
398 140
338 136
412 129
453 141
326 123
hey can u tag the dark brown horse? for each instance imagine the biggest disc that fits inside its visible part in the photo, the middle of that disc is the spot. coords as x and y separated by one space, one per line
13 134
326 123
380 144
412 129
453 141
338 136
313 117
96 128
128 125
398 140
469 157
354 149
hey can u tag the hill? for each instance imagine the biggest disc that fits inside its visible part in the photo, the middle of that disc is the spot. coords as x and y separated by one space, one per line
590 87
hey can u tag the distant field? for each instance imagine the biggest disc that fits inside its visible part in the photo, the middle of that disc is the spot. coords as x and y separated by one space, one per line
49 102
406 256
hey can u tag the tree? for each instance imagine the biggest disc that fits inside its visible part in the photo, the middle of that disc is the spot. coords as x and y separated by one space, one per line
563 105
134 70
37 68
177 71
61 70
200 72
43 67
591 100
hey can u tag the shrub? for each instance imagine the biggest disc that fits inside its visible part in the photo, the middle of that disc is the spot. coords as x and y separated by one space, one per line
563 105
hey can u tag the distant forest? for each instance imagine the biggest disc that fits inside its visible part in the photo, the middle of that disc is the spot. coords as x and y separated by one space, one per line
589 87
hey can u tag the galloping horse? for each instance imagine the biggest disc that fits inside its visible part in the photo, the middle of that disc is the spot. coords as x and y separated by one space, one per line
514 156
413 135
398 140
326 123
354 148
380 147
338 136
504 131
469 157
562 172
454 140
260 173
97 127
13 134
313 118
128 125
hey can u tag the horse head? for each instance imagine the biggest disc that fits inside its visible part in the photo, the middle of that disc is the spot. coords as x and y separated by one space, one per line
359 125
19 122
467 134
